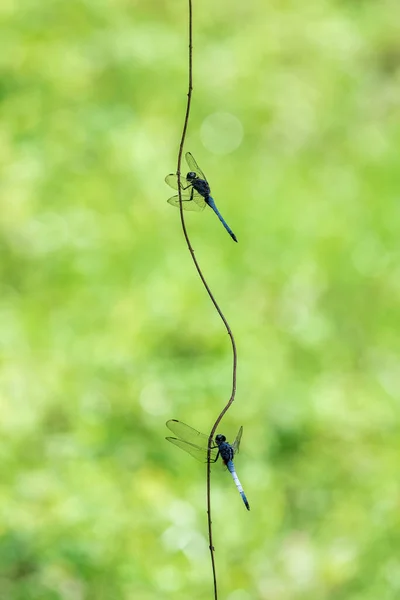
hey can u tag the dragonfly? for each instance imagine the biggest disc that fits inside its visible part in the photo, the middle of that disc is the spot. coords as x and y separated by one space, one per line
195 443
196 193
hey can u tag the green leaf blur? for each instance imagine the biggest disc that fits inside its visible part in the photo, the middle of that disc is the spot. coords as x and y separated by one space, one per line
106 331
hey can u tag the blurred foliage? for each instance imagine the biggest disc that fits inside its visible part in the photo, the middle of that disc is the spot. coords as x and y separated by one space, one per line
106 332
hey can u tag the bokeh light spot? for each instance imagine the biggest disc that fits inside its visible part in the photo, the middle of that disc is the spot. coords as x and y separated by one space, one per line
221 133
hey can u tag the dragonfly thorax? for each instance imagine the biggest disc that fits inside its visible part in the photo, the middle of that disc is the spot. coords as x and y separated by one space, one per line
226 451
200 185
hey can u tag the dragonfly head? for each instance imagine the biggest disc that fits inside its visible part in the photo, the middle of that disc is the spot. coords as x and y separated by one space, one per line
191 175
219 439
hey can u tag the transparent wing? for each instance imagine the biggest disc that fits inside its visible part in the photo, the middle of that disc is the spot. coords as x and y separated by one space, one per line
198 198
193 166
187 202
197 452
191 440
172 181
236 443
187 433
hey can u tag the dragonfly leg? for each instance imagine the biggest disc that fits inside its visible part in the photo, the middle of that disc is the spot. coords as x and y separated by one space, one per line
185 187
216 458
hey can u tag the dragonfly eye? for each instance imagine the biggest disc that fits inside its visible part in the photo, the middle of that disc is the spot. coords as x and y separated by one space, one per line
191 176
220 438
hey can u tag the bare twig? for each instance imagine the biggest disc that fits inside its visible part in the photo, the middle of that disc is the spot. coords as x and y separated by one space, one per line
213 300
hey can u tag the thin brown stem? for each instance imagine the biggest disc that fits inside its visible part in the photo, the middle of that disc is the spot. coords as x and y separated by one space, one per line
209 292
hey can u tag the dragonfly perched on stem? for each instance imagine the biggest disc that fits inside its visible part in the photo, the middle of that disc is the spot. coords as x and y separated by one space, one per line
195 191
195 443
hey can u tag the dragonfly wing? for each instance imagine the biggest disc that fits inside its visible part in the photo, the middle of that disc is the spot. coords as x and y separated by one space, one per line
187 433
197 452
187 203
191 440
193 166
199 200
172 181
236 443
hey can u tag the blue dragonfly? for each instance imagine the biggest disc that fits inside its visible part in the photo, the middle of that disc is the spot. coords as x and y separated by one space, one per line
196 444
196 192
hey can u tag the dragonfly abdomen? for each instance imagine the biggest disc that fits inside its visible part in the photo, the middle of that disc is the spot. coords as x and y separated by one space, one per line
232 471
211 203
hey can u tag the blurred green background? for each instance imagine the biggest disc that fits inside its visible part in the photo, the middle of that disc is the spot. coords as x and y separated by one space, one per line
106 331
